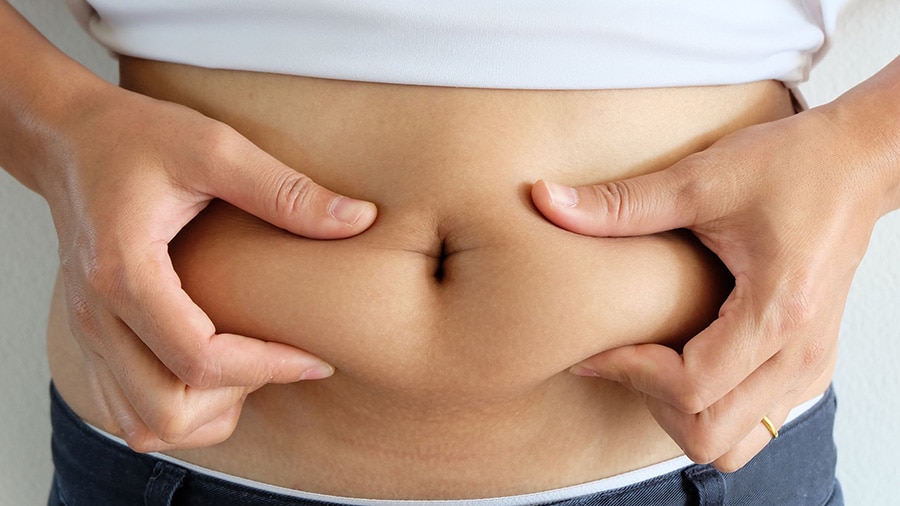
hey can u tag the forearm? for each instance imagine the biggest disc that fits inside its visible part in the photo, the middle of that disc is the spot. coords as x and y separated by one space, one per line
868 118
39 89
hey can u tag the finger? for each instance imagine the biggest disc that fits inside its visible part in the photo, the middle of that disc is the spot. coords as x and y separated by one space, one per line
711 365
723 427
783 400
142 402
123 420
152 406
646 204
261 185
184 339
754 442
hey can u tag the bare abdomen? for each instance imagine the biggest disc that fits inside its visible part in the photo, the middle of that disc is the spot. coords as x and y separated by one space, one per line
453 320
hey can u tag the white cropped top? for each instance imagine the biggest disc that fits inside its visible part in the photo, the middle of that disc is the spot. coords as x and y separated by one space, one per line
556 44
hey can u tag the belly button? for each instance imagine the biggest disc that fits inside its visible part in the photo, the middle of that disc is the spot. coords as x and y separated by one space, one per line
442 256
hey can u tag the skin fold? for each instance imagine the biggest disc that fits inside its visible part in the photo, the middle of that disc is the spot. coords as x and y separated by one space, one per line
146 346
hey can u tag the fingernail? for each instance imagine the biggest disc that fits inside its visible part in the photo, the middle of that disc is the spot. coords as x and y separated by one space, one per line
580 370
347 210
561 195
317 372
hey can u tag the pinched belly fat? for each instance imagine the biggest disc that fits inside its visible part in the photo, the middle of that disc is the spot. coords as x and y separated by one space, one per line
451 345
492 306
452 321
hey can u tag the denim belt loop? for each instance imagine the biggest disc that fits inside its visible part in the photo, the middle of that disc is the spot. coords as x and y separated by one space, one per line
708 482
163 483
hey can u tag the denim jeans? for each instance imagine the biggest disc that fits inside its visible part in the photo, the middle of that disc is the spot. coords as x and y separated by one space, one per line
797 468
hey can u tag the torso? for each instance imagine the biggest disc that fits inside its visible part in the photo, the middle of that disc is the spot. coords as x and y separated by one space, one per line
448 386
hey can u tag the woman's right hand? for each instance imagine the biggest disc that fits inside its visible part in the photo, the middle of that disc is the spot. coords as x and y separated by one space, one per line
124 174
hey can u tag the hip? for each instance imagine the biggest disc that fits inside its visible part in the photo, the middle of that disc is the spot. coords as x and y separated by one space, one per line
797 468
452 321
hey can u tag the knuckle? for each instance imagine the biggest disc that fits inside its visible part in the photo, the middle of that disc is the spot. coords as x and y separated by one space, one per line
691 401
219 141
295 193
81 315
730 463
814 355
693 185
142 441
797 309
693 188
694 396
172 424
614 198
698 456
702 442
104 273
133 431
198 370
702 449
215 151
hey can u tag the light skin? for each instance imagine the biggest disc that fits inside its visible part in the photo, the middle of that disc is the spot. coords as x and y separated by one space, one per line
122 179
776 333
788 206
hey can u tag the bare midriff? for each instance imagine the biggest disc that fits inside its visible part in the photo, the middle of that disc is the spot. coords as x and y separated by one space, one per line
453 320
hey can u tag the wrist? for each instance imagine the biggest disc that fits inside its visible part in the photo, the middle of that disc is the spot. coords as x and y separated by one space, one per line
865 122
45 124
39 86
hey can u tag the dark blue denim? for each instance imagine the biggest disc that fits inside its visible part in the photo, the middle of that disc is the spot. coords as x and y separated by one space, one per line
796 469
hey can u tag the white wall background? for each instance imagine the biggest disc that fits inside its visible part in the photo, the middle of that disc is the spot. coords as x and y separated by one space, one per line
868 380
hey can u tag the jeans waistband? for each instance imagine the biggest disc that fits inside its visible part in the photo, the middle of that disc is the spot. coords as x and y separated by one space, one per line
797 468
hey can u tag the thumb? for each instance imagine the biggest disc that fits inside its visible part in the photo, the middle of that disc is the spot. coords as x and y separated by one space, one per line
261 185
641 205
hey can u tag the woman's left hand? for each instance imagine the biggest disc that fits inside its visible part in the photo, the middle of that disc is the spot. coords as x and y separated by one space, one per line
788 207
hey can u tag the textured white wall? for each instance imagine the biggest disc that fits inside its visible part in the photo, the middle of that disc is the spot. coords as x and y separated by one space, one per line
867 379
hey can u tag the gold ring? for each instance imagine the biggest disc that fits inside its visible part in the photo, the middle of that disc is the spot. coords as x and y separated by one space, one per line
770 426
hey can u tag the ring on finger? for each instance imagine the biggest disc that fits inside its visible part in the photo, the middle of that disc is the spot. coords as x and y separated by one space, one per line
770 427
